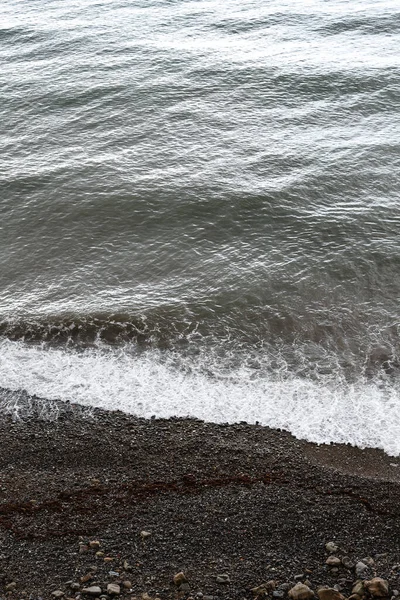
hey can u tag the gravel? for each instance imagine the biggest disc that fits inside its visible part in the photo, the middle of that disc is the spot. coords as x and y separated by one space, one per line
240 503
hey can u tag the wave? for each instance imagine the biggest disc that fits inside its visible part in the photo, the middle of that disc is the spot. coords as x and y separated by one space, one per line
345 345
165 384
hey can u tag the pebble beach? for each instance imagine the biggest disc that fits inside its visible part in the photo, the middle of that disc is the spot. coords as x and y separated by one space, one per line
103 504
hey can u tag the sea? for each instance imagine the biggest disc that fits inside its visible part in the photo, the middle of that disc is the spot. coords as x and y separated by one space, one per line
200 211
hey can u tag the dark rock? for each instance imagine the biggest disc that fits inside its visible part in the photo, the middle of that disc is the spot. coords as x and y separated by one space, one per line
184 587
347 562
369 561
361 570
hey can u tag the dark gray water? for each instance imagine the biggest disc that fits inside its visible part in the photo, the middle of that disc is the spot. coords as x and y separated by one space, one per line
200 210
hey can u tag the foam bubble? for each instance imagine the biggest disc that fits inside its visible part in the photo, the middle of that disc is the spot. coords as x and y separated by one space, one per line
364 414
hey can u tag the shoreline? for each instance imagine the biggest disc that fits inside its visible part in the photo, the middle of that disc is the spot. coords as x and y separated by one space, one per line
243 500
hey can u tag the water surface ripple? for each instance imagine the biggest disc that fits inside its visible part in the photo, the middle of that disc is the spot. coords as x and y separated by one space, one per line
200 199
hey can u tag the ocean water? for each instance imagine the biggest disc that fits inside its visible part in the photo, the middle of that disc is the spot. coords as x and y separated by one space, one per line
200 213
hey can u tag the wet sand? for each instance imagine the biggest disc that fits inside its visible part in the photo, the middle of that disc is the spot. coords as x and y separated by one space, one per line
242 500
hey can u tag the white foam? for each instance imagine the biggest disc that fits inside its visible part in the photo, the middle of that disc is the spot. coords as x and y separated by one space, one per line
365 414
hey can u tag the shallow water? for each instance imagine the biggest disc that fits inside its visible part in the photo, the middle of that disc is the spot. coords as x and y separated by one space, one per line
199 210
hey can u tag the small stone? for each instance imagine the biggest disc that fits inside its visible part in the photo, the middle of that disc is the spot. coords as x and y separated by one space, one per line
270 585
361 569
358 588
184 587
278 594
259 590
87 577
57 594
180 578
301 592
94 544
223 578
145 534
368 560
333 561
93 590
377 587
299 577
74 586
127 584
11 586
331 547
395 593
107 559
329 594
113 589
113 574
265 588
347 562
99 554
127 566
83 548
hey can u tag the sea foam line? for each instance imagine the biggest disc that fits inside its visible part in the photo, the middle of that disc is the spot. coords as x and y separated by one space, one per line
364 414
